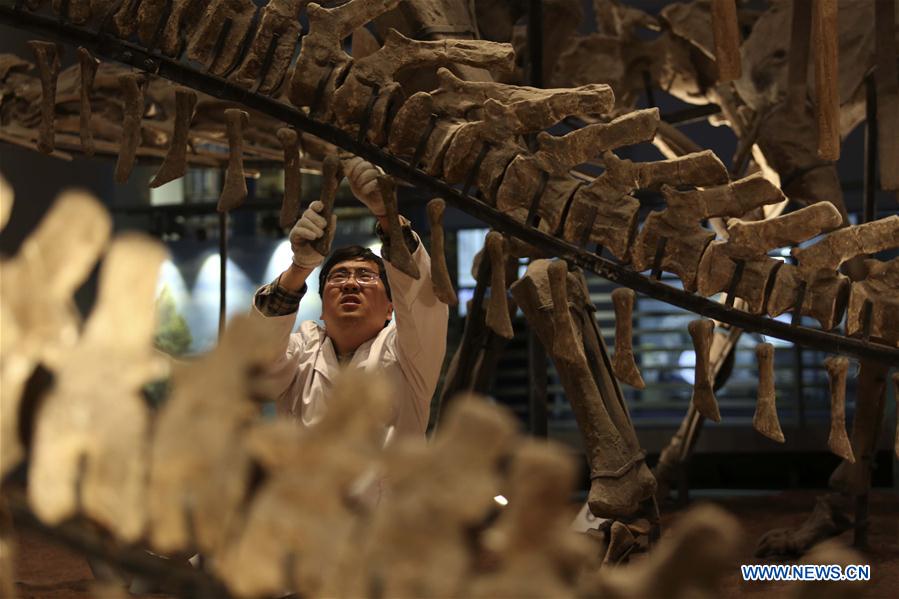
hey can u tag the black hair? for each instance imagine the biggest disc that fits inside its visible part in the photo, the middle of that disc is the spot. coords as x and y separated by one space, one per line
352 252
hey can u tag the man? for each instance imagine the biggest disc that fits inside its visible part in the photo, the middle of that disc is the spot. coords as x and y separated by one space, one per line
376 317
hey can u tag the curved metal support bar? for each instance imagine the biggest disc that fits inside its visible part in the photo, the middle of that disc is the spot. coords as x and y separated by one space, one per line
131 54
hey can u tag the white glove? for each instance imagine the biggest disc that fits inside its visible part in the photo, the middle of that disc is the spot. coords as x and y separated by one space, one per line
363 179
310 227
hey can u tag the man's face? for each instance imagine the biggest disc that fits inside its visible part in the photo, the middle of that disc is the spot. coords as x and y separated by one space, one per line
354 295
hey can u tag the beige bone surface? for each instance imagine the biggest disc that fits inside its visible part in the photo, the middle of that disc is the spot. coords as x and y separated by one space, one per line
133 96
185 15
400 52
175 164
837 440
749 242
689 561
765 419
703 392
533 548
825 38
293 178
398 253
47 56
37 313
726 33
302 522
280 19
87 71
880 288
844 244
614 211
620 479
679 223
204 41
409 127
418 541
90 443
498 318
234 191
200 467
443 285
623 364
321 55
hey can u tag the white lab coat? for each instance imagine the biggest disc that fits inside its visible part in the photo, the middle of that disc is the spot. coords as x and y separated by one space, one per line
410 350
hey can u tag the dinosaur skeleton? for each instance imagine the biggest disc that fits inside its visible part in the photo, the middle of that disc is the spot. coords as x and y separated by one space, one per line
527 193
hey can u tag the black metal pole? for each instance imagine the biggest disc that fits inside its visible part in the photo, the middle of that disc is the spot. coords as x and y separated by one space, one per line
223 269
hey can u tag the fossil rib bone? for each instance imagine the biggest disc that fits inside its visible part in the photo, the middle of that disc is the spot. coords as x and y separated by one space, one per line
443 285
837 440
765 419
175 164
623 364
703 391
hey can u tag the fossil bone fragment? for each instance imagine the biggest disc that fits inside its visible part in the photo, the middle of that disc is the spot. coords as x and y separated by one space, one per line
744 255
688 562
293 178
175 164
726 33
874 303
47 55
623 364
322 61
199 466
826 290
89 449
886 76
399 53
837 440
606 201
332 174
234 191
443 285
398 253
703 392
132 92
825 38
302 521
78 11
535 552
410 552
273 46
765 419
230 19
565 344
184 16
620 480
87 70
673 239
39 321
498 318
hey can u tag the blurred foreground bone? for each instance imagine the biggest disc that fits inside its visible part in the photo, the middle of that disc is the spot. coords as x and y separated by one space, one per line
620 480
838 441
90 441
438 493
200 466
39 320
301 524
688 562
537 554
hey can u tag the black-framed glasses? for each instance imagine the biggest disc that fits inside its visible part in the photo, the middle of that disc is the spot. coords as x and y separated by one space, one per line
363 276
